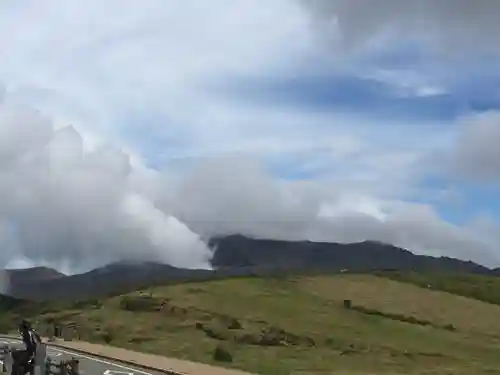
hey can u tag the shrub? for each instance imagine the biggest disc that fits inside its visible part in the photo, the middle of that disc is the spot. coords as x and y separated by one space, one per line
273 336
106 336
217 333
233 323
140 303
222 354
450 327
400 318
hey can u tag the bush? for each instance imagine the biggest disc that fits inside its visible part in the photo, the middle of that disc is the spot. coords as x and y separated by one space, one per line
82 304
222 354
450 327
273 336
401 318
140 303
106 336
139 339
217 333
233 323
5 326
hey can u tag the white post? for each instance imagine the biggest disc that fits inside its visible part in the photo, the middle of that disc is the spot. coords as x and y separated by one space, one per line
8 361
40 357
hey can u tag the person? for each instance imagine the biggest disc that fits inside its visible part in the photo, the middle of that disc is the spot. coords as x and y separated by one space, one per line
24 360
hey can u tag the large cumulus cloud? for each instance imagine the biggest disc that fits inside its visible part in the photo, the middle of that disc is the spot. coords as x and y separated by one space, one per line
73 208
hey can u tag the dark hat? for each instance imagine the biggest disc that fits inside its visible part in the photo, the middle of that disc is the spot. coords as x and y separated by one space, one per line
24 324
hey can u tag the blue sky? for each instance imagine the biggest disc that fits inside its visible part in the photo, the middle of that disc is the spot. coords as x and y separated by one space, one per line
333 123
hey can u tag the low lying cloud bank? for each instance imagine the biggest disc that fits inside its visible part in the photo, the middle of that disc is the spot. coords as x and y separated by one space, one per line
73 208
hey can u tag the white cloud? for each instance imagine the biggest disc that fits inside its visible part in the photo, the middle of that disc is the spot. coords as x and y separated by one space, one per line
60 203
80 208
140 75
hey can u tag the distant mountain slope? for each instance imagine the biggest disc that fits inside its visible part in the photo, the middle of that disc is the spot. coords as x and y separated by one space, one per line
238 251
237 256
114 278
32 275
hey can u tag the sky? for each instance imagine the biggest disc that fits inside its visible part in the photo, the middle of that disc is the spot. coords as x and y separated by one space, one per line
137 130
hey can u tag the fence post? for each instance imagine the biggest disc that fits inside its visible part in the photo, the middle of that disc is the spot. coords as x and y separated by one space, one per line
63 368
75 367
48 364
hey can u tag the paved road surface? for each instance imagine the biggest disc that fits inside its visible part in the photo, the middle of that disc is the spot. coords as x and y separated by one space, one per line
89 365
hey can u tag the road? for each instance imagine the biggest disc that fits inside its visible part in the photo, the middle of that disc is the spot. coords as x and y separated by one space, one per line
89 365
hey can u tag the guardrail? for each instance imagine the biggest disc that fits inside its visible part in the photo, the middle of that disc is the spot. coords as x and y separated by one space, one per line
4 357
45 363
69 367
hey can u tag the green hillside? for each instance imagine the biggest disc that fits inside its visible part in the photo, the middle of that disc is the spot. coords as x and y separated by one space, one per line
482 288
297 325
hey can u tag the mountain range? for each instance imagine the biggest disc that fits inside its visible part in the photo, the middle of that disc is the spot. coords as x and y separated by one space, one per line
233 256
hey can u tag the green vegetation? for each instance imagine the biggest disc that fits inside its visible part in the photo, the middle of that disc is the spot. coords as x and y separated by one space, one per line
482 288
297 325
400 318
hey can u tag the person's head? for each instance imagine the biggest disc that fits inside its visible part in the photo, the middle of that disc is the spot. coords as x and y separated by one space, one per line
24 325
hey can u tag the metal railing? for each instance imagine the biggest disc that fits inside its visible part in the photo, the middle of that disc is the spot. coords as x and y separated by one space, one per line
47 365
68 367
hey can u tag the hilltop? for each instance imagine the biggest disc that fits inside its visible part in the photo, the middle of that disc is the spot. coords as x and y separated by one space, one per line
240 251
32 275
235 256
299 324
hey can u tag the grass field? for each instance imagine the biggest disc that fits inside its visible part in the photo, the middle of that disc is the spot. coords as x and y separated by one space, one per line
300 325
483 288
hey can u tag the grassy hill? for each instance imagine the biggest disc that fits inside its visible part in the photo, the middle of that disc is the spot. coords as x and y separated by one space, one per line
480 287
300 325
8 303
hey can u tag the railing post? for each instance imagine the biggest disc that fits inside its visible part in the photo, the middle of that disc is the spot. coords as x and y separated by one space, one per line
48 364
75 367
63 368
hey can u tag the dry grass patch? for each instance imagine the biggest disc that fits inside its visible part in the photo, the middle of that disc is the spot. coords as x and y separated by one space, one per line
401 298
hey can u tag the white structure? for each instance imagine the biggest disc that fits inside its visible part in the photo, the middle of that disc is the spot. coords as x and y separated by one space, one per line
40 357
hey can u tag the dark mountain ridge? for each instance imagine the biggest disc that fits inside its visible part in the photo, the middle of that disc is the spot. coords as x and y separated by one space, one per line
237 251
235 256
34 274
